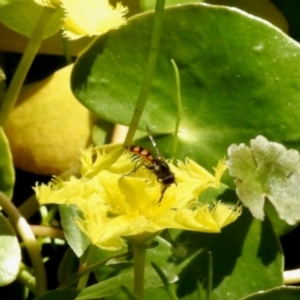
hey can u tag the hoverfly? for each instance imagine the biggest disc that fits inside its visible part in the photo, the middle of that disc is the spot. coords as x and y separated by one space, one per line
156 164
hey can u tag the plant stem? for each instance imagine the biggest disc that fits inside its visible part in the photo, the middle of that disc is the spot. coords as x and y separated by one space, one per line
31 244
50 214
151 64
47 231
164 279
139 254
209 276
82 282
129 294
29 207
75 277
15 86
179 108
67 52
26 278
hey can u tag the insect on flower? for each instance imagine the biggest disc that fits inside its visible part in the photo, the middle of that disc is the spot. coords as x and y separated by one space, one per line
155 164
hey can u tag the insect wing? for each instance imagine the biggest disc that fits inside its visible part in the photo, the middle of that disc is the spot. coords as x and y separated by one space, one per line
153 141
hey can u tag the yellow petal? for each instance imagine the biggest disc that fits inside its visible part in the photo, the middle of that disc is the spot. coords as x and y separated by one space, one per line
73 191
140 195
92 17
219 170
49 3
118 205
204 179
195 171
186 219
224 214
103 232
93 160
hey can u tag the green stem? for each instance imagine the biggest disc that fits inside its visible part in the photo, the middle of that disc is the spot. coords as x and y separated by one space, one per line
46 220
75 277
151 64
30 242
26 278
139 254
179 108
199 290
169 287
29 207
47 232
67 52
82 282
209 276
129 294
15 86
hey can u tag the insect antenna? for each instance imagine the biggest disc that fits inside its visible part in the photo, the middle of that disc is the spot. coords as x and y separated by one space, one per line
153 141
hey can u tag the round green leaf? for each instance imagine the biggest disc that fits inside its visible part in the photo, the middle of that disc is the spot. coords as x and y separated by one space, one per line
150 4
239 78
23 15
280 293
7 172
10 253
246 258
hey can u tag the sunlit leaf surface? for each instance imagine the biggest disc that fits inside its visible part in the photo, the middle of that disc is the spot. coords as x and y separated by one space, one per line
239 78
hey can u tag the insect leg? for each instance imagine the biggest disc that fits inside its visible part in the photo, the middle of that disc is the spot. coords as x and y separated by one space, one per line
164 188
137 166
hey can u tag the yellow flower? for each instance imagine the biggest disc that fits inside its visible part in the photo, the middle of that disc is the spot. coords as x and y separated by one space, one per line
88 17
116 206
49 3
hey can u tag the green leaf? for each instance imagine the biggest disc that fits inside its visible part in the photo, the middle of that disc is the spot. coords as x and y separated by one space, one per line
165 281
150 294
150 4
267 169
239 78
10 253
246 258
129 294
23 15
112 286
279 293
7 172
102 132
164 248
280 226
112 267
61 294
75 237
68 265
